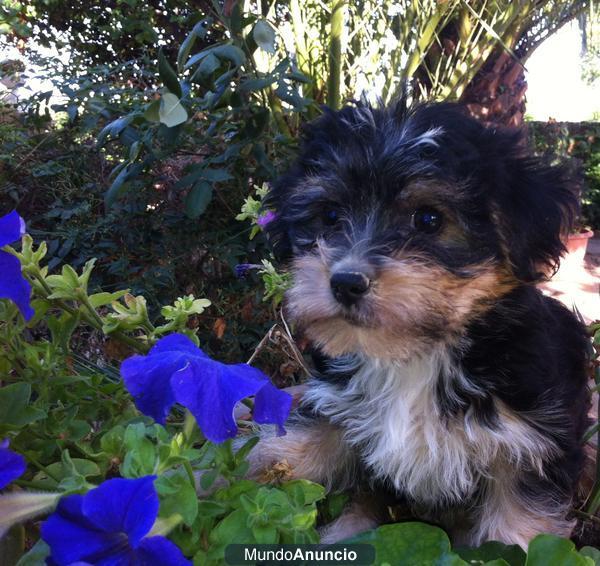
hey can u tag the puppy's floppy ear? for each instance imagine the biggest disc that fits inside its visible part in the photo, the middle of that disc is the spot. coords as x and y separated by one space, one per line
535 207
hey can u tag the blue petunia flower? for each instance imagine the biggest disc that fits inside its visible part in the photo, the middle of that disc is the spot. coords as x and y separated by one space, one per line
176 370
242 269
13 285
12 465
108 526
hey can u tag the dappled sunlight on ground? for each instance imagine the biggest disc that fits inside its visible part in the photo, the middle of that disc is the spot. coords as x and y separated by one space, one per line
579 285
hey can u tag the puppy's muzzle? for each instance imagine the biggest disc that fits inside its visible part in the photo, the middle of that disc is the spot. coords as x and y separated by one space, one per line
348 287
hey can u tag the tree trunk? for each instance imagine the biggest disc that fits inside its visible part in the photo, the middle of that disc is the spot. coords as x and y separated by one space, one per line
496 95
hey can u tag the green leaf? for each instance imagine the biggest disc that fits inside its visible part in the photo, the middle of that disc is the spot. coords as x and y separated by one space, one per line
492 550
198 199
62 328
265 534
140 458
407 544
113 442
118 185
207 66
234 527
550 550
257 84
208 478
304 492
36 556
333 506
171 112
15 411
72 473
211 508
264 35
591 552
101 299
152 111
168 75
216 175
199 31
230 52
177 496
115 128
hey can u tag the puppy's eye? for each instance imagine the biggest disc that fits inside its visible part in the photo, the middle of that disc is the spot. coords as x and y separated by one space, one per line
330 216
427 220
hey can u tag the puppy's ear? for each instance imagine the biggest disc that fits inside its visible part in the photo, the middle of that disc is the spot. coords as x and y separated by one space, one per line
535 207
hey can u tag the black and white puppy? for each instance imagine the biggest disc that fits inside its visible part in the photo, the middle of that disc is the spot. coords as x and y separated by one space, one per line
446 382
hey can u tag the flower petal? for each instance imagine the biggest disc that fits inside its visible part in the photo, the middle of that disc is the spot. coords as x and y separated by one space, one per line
176 343
148 378
266 218
158 551
12 228
210 390
72 537
272 406
148 381
13 285
123 505
12 465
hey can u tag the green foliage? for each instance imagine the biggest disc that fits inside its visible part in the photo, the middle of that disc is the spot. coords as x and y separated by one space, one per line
577 145
405 544
143 165
76 425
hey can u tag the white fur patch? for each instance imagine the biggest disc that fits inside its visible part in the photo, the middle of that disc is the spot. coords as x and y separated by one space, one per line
389 415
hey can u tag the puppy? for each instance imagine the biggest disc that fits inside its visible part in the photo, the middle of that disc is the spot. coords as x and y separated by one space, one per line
445 381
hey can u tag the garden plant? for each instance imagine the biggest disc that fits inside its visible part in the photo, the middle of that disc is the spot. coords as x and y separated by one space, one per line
135 279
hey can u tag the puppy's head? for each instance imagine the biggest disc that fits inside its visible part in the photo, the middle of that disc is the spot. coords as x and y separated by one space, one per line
401 227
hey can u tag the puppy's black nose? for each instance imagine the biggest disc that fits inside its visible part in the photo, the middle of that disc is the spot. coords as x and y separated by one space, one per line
349 286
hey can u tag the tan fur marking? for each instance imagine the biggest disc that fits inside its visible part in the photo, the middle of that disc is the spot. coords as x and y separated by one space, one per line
409 303
317 453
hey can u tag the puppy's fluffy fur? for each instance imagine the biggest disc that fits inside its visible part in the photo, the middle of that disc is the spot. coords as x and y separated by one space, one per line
446 382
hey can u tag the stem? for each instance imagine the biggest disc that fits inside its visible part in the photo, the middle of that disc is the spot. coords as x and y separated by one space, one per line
585 515
189 425
91 317
85 301
335 54
190 473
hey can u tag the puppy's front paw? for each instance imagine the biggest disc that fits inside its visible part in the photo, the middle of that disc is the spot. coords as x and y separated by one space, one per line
355 519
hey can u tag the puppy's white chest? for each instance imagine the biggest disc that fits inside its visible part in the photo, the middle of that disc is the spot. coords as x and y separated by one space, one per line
389 415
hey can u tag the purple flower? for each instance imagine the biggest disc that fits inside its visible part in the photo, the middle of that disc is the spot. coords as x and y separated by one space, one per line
108 526
12 465
13 285
265 218
242 269
176 370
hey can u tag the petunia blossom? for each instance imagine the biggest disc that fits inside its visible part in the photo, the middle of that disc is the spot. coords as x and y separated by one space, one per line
108 526
12 465
266 218
176 370
13 285
242 269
